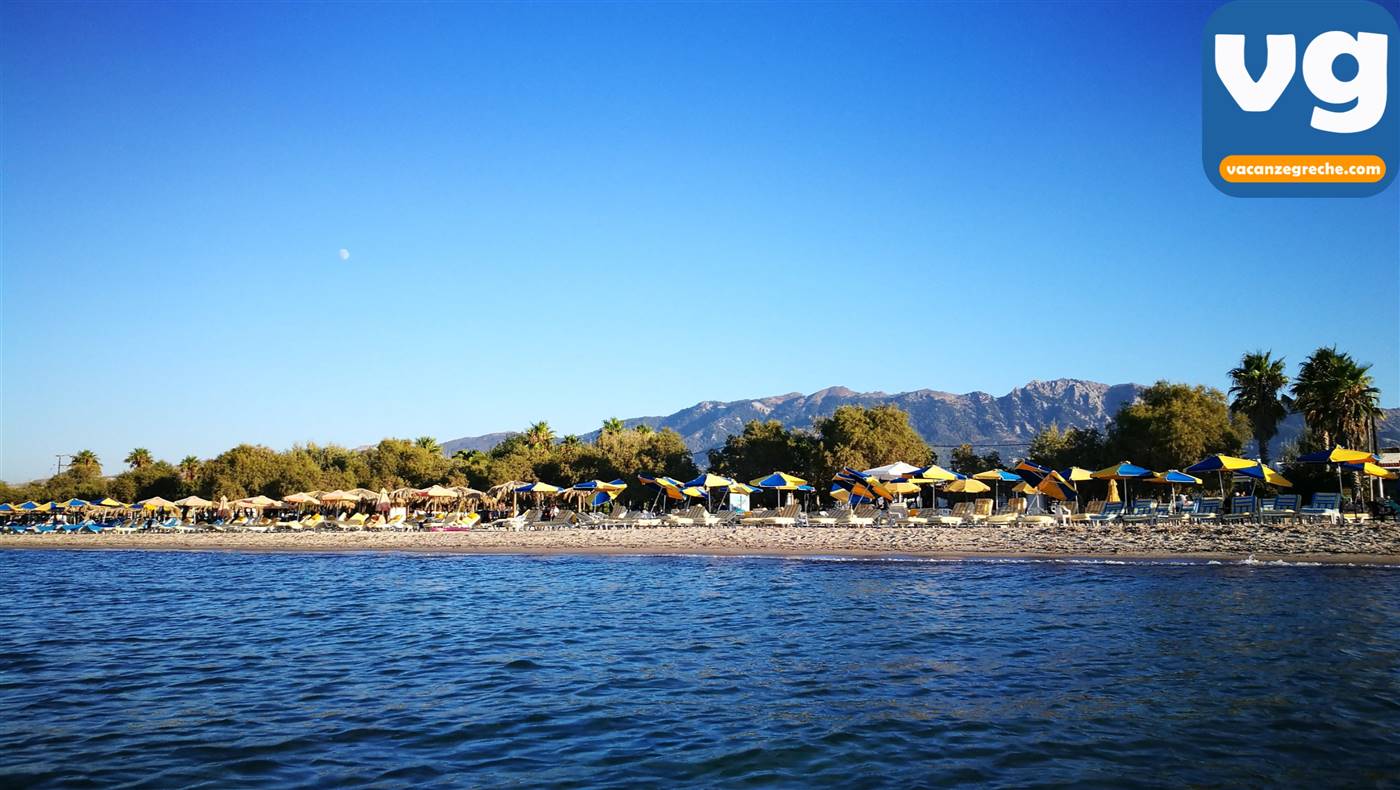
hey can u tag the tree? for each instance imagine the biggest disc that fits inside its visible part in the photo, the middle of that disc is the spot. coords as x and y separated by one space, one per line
189 468
1171 426
428 443
1255 386
1337 398
87 461
612 425
765 447
539 434
862 437
138 458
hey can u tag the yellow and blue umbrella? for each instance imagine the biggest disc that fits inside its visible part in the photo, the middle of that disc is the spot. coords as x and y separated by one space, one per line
863 484
29 506
1075 474
1337 455
708 480
6 507
1220 464
1371 470
1173 477
1261 472
537 488
781 481
1047 481
75 502
1122 471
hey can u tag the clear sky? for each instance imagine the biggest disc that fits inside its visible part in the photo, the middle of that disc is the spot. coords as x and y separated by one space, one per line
576 211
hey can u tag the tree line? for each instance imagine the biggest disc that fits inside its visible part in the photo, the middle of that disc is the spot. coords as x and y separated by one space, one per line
1170 426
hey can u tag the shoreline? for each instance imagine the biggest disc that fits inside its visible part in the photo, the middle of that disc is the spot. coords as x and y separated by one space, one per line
1340 544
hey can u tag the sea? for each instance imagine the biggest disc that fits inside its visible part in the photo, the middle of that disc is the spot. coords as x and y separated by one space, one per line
223 669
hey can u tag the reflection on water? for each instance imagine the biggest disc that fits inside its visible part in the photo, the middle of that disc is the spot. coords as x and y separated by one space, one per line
178 668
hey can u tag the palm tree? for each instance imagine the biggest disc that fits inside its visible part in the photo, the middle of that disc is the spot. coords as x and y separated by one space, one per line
571 440
612 425
88 461
138 458
1337 397
645 430
428 443
1255 386
189 468
539 435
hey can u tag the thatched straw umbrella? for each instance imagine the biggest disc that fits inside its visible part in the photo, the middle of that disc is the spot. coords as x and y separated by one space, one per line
500 493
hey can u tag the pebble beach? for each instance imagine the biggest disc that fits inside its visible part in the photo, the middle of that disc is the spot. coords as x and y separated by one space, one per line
1348 542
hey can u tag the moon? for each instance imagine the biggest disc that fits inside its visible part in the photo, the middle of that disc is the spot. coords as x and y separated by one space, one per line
344 254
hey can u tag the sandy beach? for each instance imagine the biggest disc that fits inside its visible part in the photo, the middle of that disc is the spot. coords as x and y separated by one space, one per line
1368 543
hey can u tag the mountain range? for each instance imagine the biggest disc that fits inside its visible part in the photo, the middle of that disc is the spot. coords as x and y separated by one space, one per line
1006 422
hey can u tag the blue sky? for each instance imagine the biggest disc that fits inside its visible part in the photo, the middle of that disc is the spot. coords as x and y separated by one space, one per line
577 211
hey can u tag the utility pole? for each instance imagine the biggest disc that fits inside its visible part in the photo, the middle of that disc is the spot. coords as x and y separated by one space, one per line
60 457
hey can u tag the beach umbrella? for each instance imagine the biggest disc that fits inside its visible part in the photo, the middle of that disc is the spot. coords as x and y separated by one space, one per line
861 483
157 503
258 502
1024 488
1123 471
537 488
968 485
6 507
301 498
779 481
707 481
106 502
75 502
667 488
843 495
1173 478
1261 472
193 501
1047 481
996 477
901 487
436 491
1075 474
383 503
1371 470
1337 455
1220 464
894 471
931 476
29 506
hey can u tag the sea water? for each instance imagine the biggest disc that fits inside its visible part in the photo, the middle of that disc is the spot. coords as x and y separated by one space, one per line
241 669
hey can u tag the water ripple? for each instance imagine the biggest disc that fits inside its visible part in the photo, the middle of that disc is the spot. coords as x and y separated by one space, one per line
221 669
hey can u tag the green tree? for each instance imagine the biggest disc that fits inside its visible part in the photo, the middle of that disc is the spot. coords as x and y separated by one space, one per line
1254 389
765 447
1337 398
612 425
428 443
189 468
862 437
138 458
539 434
1171 426
88 461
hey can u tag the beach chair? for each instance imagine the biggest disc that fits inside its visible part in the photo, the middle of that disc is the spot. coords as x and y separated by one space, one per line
1143 511
981 510
683 518
1279 508
785 516
1110 512
1016 508
1324 505
1242 508
1094 507
961 514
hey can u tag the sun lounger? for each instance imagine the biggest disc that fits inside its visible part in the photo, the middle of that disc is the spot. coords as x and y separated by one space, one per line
785 516
1093 508
1144 511
685 518
981 510
1324 505
1111 511
1279 508
1016 508
1242 508
961 513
